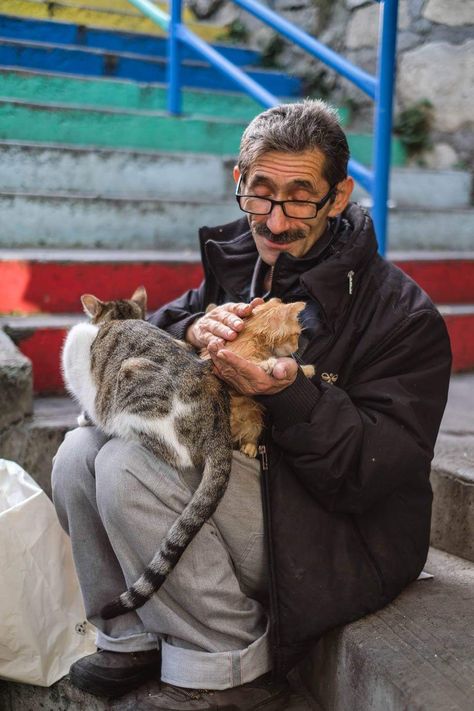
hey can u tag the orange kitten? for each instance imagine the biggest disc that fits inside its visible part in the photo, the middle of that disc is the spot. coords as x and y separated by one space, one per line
270 332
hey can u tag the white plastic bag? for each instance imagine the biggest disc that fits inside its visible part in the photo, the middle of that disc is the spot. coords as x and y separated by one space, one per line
42 619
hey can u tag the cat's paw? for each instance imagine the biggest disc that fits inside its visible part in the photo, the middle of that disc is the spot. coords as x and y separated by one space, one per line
308 370
268 365
249 449
83 420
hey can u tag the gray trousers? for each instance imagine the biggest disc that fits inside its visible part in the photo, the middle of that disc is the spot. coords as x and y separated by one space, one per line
116 501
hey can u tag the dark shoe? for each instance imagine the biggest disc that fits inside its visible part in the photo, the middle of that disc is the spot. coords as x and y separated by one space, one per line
115 673
262 693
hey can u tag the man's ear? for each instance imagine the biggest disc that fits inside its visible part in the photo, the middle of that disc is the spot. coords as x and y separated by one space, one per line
236 173
343 195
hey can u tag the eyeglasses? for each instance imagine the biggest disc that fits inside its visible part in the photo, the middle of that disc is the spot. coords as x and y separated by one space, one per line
299 209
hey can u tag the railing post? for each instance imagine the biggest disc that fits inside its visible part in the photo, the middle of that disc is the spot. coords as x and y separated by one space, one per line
174 61
386 71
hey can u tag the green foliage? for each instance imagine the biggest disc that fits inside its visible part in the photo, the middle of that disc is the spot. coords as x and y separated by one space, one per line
271 52
413 126
235 32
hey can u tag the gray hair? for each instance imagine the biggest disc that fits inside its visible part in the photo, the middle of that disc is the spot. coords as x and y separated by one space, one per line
294 128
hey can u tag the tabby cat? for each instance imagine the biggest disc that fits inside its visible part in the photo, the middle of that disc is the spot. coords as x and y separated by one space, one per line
137 382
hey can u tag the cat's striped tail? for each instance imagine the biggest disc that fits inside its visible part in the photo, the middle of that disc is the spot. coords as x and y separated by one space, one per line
200 508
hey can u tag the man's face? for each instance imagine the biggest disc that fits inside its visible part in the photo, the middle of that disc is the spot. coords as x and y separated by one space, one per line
290 176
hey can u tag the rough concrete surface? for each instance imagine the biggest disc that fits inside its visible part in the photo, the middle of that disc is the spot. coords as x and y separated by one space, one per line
34 442
16 383
65 697
416 654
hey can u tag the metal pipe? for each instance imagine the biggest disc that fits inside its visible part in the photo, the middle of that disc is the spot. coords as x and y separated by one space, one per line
350 71
227 68
153 12
174 60
386 72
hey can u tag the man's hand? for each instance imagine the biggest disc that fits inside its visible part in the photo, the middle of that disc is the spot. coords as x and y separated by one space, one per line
249 378
222 323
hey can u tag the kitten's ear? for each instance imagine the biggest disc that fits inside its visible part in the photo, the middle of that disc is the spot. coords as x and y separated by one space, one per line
139 297
91 305
297 307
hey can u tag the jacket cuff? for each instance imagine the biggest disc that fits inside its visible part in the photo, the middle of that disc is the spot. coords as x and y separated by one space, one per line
293 404
179 328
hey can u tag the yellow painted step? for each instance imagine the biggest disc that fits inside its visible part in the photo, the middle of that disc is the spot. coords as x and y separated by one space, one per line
120 6
123 21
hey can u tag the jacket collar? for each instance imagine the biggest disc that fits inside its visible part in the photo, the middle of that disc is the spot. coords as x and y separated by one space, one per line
348 246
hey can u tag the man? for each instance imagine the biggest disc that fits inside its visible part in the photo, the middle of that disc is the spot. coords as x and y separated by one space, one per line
333 521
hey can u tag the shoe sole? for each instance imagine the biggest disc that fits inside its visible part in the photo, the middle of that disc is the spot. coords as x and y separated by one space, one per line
107 688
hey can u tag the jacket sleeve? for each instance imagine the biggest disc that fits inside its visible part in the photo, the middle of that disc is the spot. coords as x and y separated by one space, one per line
176 316
352 447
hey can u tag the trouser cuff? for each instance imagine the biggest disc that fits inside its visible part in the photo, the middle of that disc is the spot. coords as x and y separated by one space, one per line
143 642
214 670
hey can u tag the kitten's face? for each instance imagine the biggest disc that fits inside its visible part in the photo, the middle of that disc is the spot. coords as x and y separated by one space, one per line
278 324
121 309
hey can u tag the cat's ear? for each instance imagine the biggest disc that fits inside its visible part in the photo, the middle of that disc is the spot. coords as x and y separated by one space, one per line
139 297
91 305
297 307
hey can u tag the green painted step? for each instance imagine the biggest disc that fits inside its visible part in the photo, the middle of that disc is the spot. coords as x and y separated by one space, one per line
155 130
120 94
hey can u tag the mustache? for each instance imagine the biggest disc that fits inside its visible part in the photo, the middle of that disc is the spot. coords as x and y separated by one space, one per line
283 238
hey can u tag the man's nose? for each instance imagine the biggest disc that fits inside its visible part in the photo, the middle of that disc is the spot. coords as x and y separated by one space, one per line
277 221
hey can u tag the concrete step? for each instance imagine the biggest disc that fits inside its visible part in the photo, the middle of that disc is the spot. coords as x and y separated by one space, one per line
93 93
415 188
452 473
101 17
85 220
106 172
84 61
64 33
432 229
415 654
16 383
40 338
33 442
62 695
52 280
448 277
57 123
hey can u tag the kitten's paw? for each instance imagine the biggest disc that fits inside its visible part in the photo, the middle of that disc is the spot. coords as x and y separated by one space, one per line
308 370
249 449
83 420
268 365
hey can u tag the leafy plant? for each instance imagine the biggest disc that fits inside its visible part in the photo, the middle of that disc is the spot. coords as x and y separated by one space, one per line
271 52
235 32
413 126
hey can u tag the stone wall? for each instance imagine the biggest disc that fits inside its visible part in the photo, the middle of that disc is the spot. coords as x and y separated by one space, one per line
435 60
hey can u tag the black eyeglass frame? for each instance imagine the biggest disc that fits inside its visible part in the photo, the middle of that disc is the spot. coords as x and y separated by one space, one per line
317 205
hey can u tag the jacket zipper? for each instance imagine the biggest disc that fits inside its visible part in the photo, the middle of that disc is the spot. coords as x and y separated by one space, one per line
275 627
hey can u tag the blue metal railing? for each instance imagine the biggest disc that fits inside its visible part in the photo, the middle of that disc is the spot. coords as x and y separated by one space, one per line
379 88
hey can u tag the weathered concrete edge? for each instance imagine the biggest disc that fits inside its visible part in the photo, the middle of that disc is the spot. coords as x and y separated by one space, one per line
390 660
16 383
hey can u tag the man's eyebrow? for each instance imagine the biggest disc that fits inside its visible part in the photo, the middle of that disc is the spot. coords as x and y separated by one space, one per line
300 183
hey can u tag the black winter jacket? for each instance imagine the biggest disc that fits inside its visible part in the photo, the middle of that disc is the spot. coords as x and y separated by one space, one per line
346 456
